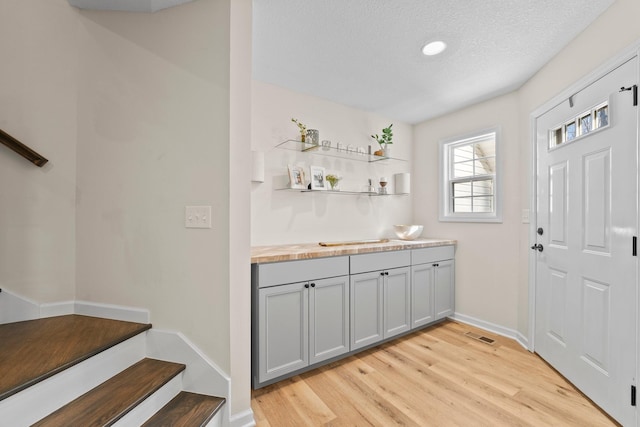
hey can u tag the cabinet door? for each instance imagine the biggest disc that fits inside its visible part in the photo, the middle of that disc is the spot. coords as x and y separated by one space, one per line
328 318
397 301
422 277
366 309
444 297
283 339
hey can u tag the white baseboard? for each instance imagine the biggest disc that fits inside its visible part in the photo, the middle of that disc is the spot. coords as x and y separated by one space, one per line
491 327
57 309
111 311
201 375
523 341
243 419
15 308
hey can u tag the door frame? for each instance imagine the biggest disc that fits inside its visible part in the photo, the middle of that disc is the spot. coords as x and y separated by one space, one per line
625 55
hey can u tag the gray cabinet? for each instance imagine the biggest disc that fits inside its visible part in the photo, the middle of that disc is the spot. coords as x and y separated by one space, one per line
380 297
328 318
283 330
422 277
432 285
444 295
366 309
309 311
397 301
300 323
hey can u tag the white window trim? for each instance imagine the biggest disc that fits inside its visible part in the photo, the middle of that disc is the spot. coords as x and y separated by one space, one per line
445 214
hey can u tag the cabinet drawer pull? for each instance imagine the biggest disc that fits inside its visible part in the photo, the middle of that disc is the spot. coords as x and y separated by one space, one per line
313 285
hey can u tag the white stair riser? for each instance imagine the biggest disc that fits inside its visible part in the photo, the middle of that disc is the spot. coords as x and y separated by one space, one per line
66 386
151 404
216 421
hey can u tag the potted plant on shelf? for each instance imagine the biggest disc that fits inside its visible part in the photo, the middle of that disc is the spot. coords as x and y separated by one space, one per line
384 141
333 180
302 128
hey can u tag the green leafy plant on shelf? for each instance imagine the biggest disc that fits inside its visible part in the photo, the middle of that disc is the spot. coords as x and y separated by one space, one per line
302 128
333 180
383 140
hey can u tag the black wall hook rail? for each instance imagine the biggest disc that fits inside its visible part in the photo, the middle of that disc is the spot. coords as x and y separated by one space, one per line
22 149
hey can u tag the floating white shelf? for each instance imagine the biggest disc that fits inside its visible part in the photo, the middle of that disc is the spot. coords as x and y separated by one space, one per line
341 153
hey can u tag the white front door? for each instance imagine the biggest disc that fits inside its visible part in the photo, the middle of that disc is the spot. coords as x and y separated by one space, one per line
587 217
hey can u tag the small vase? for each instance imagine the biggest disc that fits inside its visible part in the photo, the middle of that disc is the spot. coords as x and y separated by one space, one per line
313 136
386 151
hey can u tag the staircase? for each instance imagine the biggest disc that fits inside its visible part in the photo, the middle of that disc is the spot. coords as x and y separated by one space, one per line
85 371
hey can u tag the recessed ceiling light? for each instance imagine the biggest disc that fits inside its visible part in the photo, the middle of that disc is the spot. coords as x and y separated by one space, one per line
434 48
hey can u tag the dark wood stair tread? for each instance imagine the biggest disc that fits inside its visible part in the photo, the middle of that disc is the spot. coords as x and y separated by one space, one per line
111 400
187 410
34 350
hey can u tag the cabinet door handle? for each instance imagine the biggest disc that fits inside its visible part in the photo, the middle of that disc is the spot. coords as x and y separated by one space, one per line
436 265
382 273
386 273
306 285
313 285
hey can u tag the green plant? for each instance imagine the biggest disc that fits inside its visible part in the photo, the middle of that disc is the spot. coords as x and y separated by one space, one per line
332 180
386 138
301 127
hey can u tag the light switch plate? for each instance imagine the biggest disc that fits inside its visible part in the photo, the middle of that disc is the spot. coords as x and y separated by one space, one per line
197 217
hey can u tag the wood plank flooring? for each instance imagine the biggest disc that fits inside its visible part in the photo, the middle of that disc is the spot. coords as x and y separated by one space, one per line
34 350
433 377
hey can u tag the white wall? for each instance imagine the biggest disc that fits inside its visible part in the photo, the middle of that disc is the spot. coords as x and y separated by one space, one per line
136 113
38 107
486 254
153 137
240 206
280 217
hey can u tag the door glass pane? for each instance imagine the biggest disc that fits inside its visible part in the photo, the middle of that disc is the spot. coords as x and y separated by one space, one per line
570 131
585 124
556 137
602 117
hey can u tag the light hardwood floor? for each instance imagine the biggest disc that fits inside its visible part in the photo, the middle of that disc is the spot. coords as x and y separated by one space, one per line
433 377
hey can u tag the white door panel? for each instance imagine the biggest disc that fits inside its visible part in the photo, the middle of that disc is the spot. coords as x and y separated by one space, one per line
586 275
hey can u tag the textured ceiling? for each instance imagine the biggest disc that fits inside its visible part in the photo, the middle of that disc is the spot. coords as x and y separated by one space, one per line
367 53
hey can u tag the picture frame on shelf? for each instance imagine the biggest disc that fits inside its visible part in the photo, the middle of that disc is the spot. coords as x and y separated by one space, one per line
318 179
296 177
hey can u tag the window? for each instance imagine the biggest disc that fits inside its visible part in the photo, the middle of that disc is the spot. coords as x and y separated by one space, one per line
577 127
470 189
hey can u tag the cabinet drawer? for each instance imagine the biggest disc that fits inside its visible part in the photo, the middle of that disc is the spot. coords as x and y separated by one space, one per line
427 255
279 273
379 261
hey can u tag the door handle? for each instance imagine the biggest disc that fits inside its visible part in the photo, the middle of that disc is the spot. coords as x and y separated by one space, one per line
537 247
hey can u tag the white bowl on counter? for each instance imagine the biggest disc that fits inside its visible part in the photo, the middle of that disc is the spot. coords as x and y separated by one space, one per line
408 232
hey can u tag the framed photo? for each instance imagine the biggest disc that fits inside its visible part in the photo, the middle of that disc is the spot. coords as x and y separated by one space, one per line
318 181
296 177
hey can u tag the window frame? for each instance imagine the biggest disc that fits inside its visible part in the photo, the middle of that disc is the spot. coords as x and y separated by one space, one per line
446 146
